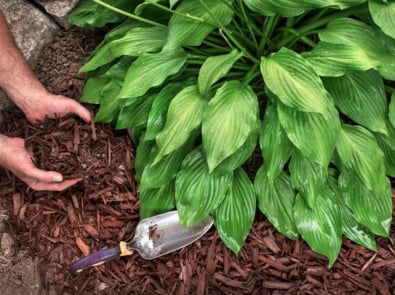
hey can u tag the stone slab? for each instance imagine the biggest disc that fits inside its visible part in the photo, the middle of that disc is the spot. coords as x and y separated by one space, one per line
58 9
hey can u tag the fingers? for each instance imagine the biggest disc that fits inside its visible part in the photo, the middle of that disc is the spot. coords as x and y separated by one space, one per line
38 185
80 111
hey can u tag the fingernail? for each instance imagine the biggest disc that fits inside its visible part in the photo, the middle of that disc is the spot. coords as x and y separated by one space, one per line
57 178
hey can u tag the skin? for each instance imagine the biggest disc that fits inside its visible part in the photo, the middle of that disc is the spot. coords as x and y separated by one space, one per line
20 84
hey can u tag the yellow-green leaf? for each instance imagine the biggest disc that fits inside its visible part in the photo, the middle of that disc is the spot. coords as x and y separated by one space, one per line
360 153
235 214
184 115
230 117
294 81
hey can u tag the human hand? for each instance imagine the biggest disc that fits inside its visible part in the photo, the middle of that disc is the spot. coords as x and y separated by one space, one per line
42 104
16 158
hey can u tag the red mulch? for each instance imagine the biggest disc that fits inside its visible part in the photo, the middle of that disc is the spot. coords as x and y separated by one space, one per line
103 209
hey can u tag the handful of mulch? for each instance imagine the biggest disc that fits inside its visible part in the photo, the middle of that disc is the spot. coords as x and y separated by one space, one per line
79 150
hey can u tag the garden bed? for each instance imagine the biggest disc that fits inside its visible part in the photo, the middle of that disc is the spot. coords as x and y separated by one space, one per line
103 209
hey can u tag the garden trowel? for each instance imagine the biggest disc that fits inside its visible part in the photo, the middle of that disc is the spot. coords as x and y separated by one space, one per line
155 236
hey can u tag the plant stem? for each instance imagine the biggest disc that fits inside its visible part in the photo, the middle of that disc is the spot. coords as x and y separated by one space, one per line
251 75
130 15
270 24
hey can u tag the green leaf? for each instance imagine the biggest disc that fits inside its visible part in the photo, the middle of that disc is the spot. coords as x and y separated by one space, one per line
294 81
386 143
360 153
231 115
184 115
360 96
275 146
288 8
157 201
194 21
334 60
90 15
214 68
392 109
352 229
157 175
157 115
276 199
135 113
135 42
150 70
383 14
314 134
321 227
240 156
235 214
145 152
109 107
373 47
199 192
370 209
93 88
307 177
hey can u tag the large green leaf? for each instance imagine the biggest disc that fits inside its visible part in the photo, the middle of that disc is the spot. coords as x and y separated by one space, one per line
392 110
308 177
89 14
231 115
214 68
383 14
135 42
150 70
289 8
184 115
145 152
360 96
157 115
334 60
294 81
240 156
387 145
370 209
314 134
321 227
369 44
199 192
235 214
360 153
157 201
157 175
276 199
194 20
352 229
274 143
109 106
135 113
93 88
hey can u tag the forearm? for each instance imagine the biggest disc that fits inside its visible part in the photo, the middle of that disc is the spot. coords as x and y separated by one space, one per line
16 77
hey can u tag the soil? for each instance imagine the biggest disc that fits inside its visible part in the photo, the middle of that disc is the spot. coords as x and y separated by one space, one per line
50 230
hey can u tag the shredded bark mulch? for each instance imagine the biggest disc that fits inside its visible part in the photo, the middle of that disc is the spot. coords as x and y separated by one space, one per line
103 209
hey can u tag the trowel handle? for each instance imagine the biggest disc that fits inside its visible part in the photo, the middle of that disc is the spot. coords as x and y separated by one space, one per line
96 258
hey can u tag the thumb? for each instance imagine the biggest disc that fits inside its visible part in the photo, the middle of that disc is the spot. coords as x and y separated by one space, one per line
45 176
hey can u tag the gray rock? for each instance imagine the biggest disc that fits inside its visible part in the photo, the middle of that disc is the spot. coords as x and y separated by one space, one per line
31 28
58 9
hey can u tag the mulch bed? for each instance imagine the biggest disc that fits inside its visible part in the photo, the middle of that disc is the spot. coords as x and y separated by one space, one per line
101 210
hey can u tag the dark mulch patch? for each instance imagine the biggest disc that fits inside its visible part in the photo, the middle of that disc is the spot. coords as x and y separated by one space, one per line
104 209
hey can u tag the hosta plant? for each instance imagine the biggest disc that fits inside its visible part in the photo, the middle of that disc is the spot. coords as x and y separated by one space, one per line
206 84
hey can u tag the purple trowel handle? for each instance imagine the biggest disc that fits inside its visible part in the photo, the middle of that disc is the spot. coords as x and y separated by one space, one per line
95 258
